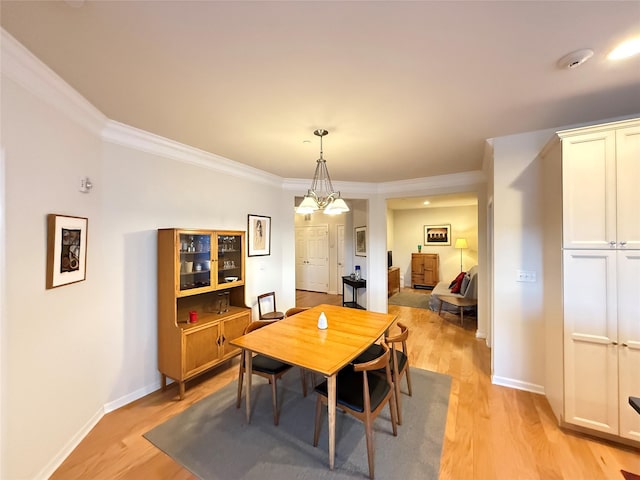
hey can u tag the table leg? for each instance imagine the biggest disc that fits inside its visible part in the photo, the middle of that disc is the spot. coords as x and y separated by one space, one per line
331 407
462 316
440 309
248 364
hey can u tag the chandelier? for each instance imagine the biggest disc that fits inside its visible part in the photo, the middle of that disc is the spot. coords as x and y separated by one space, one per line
321 195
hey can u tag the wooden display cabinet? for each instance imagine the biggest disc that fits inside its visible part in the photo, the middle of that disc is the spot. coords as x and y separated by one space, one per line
424 269
199 271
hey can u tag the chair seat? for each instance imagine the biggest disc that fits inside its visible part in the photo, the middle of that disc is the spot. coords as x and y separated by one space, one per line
268 365
272 316
374 351
349 390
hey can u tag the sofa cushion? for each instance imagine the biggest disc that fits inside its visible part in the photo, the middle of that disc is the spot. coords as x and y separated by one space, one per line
458 282
466 281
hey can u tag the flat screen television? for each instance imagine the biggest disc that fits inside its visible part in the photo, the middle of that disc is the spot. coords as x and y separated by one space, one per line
389 259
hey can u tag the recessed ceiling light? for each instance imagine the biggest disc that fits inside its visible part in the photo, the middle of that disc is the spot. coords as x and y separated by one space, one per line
625 49
426 202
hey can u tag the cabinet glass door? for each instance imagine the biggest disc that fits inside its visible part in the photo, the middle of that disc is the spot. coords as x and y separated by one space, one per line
229 258
195 261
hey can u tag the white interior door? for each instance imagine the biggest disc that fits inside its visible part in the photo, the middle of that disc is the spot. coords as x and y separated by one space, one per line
340 270
312 258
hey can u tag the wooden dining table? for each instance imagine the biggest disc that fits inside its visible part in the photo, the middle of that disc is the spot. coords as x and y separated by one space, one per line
298 341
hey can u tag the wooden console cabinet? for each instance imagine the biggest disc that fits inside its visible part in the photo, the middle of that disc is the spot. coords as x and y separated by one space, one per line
201 274
393 281
424 269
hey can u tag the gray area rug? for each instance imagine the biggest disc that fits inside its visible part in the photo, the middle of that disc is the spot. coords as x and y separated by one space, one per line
410 299
212 440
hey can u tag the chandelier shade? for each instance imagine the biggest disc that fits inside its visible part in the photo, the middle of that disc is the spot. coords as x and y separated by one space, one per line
321 195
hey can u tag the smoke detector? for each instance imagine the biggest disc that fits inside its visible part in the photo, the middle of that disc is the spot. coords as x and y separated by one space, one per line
575 59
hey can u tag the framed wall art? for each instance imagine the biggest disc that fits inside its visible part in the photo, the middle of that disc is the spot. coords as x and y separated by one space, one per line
66 250
361 241
259 235
437 234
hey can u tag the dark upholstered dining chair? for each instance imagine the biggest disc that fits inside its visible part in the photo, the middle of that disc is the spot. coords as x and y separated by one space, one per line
363 395
399 360
265 367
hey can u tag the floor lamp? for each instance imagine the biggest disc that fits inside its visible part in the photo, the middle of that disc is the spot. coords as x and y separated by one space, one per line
461 243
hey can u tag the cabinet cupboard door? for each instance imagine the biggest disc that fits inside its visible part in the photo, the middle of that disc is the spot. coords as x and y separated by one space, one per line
430 270
628 179
629 340
200 349
231 329
590 353
589 190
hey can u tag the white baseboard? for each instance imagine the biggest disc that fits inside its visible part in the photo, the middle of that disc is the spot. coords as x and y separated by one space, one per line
122 401
517 384
73 442
480 334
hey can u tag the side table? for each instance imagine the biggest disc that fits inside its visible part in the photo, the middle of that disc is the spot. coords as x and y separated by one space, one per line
355 285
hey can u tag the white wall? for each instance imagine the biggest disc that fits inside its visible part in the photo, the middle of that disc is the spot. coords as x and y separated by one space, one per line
71 353
408 233
144 192
55 360
518 353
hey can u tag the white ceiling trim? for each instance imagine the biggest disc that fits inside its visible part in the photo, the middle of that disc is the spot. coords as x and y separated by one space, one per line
121 134
470 180
23 67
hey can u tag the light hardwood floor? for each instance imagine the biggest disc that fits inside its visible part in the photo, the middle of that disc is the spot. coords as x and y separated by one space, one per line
492 432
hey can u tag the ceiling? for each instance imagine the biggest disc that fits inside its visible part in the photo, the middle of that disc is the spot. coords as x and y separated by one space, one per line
406 89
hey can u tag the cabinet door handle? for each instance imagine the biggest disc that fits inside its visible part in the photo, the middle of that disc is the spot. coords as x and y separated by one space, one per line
622 244
614 343
223 340
218 341
625 345
612 243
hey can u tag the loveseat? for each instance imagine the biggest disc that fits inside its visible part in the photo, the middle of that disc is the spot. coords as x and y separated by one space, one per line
468 289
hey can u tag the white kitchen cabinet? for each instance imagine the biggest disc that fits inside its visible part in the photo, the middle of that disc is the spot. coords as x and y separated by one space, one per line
602 340
601 175
592 277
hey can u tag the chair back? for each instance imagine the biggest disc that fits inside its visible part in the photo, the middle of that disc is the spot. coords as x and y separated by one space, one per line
266 303
256 325
295 310
395 342
376 364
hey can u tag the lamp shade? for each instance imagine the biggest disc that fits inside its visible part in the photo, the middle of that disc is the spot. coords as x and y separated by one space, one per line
461 243
308 205
336 207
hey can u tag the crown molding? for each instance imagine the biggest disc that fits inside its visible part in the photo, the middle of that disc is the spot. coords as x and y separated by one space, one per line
301 185
125 135
417 186
470 180
27 70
